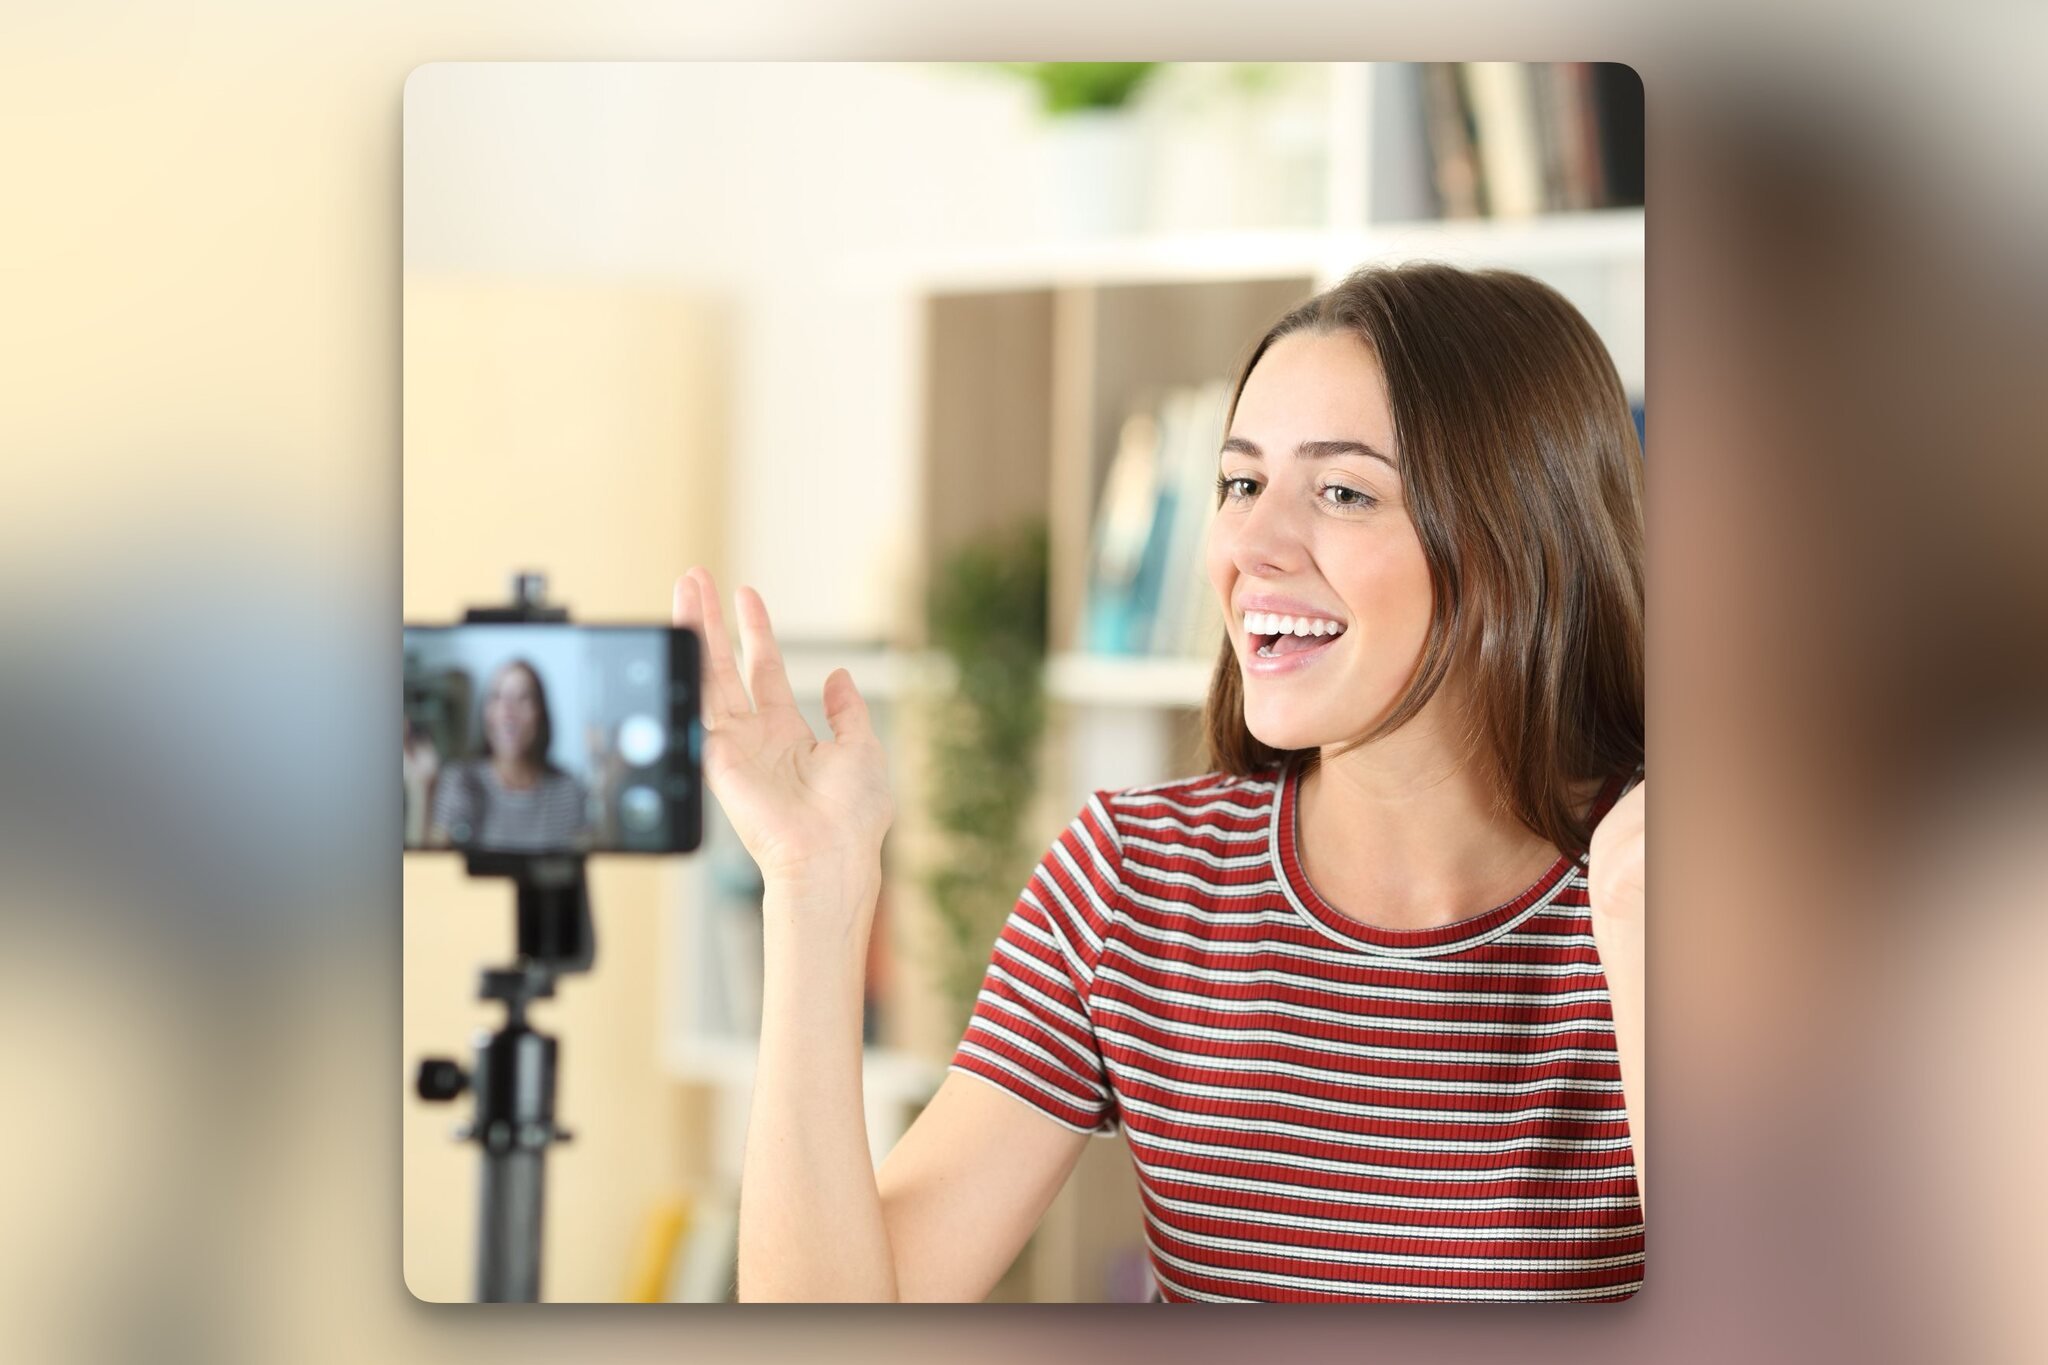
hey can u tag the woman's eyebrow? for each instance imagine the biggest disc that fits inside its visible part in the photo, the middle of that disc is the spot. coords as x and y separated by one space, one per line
1313 450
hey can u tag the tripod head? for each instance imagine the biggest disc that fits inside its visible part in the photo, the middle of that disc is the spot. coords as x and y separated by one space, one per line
654 805
514 1072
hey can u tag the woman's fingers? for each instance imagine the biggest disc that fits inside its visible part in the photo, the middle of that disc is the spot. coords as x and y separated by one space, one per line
845 708
725 695
766 676
682 604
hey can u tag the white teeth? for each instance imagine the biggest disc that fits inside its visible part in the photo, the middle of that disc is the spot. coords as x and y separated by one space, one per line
1270 623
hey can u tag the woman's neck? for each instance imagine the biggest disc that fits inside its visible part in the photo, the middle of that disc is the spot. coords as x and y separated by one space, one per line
516 772
1400 834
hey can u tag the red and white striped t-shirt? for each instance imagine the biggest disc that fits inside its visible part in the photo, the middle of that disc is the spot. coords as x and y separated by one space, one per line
1318 1109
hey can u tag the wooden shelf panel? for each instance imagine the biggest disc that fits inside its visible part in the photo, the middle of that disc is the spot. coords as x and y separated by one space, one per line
1104 680
1209 257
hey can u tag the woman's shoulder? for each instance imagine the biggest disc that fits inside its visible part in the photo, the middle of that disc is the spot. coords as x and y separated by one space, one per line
465 771
1214 793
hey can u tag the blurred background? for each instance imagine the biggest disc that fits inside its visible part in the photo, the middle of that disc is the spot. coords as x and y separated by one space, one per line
935 356
202 265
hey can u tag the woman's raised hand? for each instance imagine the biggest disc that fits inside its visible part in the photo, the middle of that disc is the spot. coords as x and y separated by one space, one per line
422 760
811 812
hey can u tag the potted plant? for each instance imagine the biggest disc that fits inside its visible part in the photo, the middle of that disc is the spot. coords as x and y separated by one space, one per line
1095 145
987 615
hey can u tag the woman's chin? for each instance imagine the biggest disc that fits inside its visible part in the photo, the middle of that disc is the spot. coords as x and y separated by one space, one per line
1284 733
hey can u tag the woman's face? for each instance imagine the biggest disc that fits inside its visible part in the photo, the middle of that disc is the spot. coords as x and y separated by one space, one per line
512 713
1313 528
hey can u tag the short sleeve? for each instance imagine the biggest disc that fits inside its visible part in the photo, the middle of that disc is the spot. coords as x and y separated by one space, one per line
1032 1034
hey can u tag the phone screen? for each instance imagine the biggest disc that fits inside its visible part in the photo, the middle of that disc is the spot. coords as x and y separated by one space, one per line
552 738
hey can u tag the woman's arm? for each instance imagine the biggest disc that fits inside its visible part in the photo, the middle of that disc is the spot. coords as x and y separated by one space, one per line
1615 878
419 801
422 768
971 1178
958 1196
967 1185
811 1227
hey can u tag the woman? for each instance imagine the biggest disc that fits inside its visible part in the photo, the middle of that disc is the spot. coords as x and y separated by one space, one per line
1367 999
514 799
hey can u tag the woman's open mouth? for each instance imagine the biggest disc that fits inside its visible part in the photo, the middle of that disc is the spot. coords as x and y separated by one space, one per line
1280 644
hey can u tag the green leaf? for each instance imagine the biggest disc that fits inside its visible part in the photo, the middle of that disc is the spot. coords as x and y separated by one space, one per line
1064 87
987 612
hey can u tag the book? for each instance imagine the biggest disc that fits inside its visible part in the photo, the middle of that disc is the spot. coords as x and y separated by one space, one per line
1617 102
707 1271
650 1273
1506 139
1123 531
1403 176
1193 422
1181 506
1451 147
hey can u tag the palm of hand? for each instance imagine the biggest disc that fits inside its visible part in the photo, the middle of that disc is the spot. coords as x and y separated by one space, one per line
799 805
790 797
422 760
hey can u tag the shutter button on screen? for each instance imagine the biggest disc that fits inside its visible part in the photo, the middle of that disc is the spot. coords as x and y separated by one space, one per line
640 809
641 740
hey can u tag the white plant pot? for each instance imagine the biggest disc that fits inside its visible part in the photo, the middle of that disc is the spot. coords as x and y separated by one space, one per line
1097 179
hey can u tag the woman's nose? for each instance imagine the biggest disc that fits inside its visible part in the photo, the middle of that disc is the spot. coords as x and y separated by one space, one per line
1268 539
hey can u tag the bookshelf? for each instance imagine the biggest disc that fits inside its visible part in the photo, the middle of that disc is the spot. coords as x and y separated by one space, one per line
1021 366
1322 255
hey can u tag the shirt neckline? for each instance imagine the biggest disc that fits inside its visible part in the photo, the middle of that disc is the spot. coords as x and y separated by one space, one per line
1439 941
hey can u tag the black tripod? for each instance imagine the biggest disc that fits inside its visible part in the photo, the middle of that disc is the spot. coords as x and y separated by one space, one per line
514 1071
514 1075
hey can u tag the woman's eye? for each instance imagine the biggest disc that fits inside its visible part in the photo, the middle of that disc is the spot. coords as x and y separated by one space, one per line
1228 488
1345 496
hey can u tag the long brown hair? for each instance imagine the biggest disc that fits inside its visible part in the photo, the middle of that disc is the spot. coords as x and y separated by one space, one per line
544 730
1523 474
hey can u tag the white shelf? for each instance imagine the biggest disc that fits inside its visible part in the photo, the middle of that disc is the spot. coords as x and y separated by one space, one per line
1110 680
1544 239
1078 678
1312 254
1109 260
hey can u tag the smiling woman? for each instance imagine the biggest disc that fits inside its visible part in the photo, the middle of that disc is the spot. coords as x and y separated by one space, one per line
514 797
1366 1014
1465 460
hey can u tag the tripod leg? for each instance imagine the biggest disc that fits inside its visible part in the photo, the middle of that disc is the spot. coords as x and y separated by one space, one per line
515 1124
508 1227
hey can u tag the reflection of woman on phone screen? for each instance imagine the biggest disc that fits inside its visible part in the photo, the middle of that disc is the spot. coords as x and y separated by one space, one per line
514 798
1366 998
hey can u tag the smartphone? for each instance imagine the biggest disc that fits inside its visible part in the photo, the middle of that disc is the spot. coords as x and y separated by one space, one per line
551 738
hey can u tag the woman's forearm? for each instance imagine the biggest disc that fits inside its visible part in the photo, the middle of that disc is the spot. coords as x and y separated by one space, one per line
811 1227
1620 941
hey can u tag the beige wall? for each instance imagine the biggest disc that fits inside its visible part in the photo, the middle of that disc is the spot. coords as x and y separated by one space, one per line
579 430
